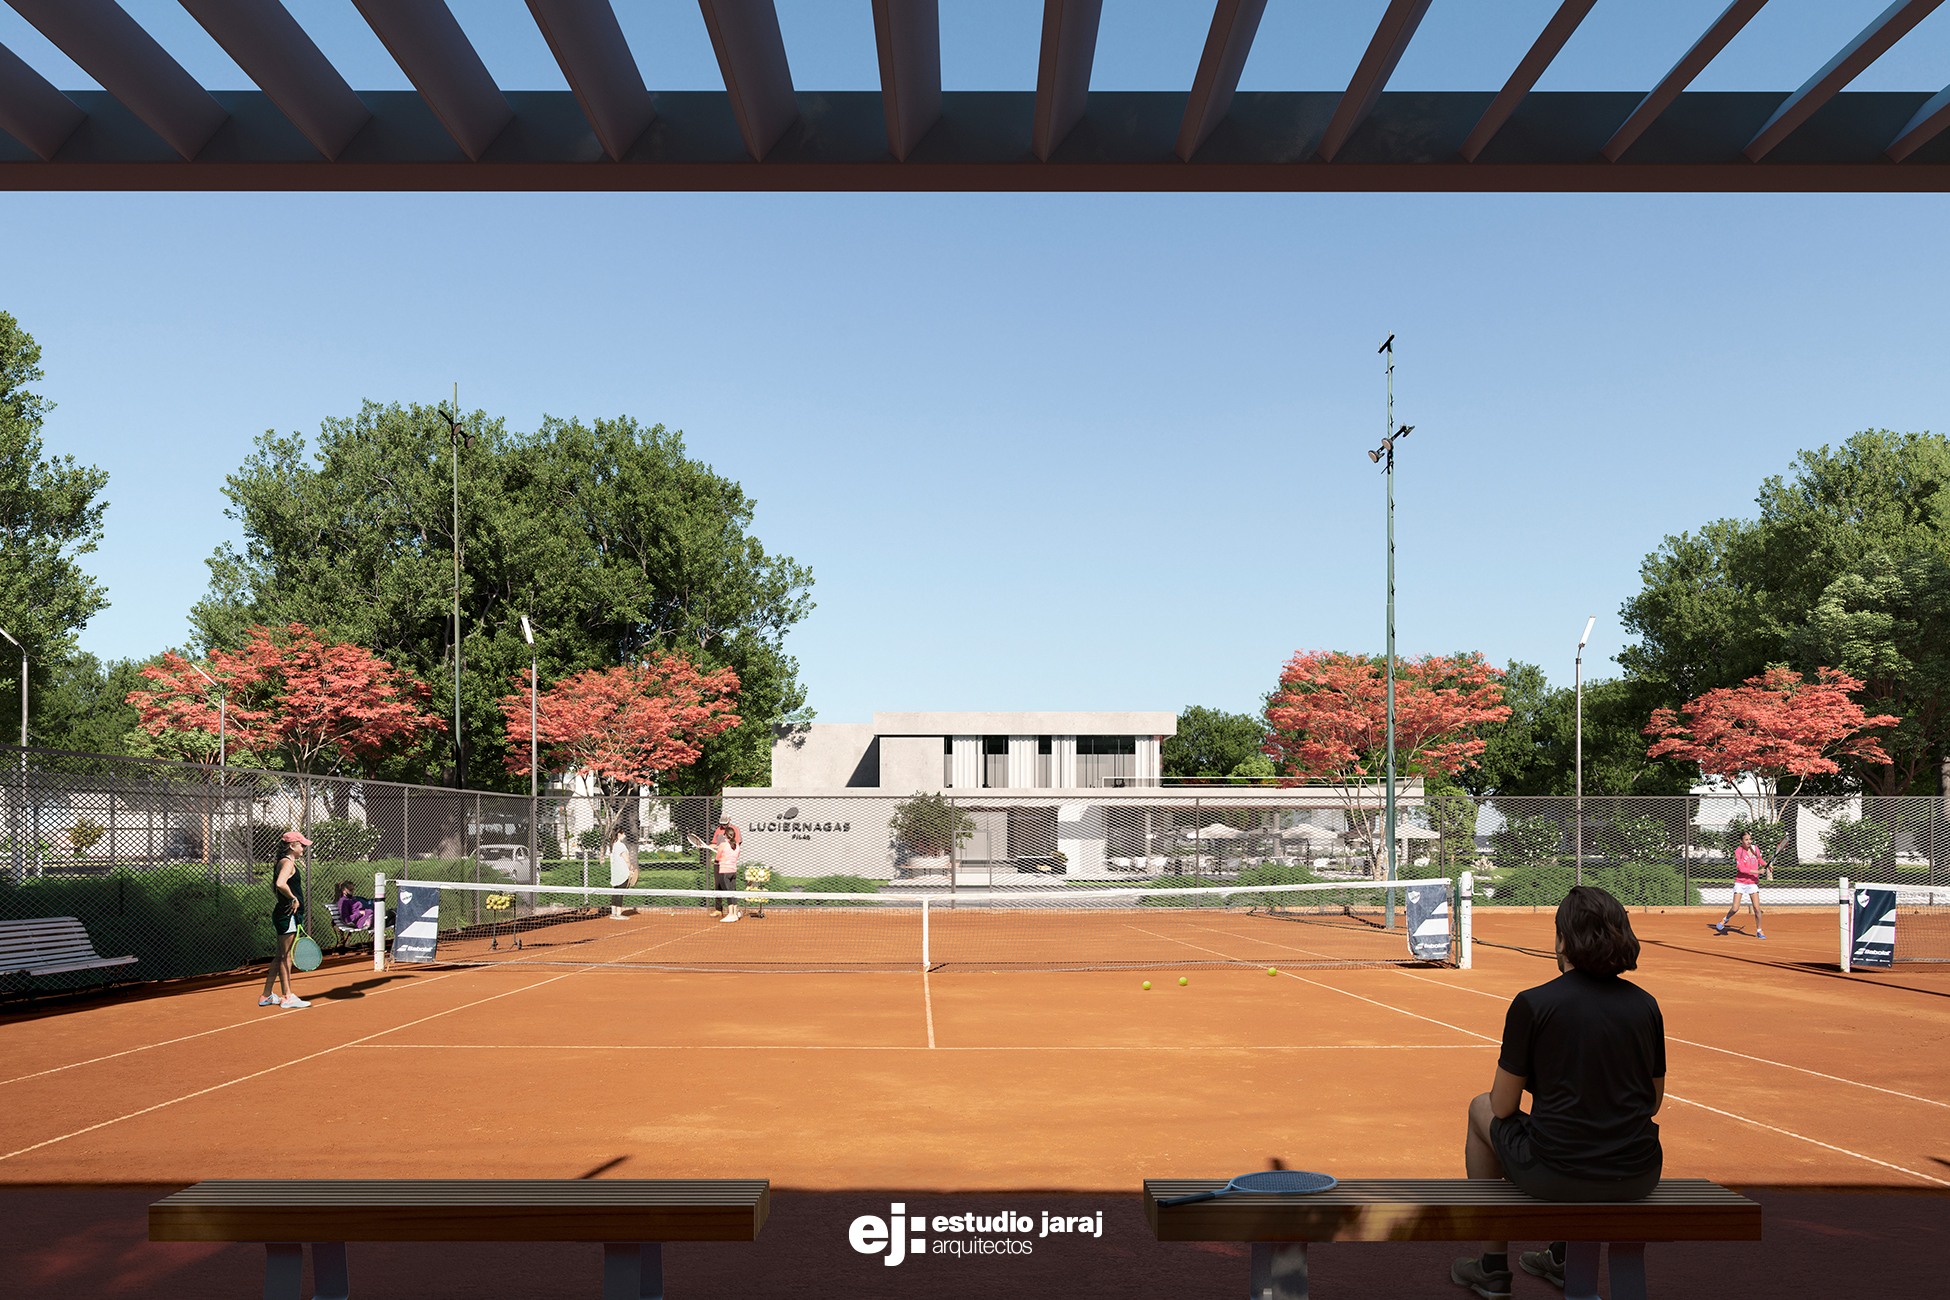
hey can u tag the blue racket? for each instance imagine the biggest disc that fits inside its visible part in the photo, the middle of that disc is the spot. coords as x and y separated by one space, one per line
1275 1182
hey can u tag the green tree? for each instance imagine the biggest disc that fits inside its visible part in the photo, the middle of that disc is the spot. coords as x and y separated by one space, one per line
84 705
609 537
49 518
1210 743
1533 751
1842 568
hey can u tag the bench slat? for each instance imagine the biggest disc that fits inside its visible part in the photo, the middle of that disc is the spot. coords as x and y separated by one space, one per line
623 1209
49 945
1448 1209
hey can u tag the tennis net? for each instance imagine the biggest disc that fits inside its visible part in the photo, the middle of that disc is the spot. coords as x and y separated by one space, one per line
902 928
1884 923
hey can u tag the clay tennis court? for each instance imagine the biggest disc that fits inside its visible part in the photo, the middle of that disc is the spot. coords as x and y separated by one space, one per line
1783 1074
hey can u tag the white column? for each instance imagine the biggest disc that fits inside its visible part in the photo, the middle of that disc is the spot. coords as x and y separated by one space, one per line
1148 765
1022 762
1063 762
966 770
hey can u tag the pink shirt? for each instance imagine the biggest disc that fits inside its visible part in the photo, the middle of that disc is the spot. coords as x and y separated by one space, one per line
1747 865
726 851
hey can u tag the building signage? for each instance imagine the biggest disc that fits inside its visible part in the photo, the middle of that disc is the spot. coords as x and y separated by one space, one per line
787 822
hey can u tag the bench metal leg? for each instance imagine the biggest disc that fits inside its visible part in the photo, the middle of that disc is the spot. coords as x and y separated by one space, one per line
1627 1270
1581 1270
1279 1270
328 1274
284 1270
633 1270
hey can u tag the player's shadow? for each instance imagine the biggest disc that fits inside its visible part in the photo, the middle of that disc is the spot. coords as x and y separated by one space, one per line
358 989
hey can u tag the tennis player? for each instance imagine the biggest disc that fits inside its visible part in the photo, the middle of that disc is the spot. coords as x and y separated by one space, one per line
287 915
725 843
1590 1049
622 870
1747 864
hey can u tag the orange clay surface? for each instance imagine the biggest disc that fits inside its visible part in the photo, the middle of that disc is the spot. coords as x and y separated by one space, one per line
1782 1071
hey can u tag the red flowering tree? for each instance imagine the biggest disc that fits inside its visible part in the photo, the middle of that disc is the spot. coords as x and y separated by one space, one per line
1779 728
292 695
622 726
1328 725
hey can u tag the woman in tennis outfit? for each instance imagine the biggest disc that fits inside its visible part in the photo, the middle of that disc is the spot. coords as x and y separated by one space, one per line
287 916
1590 1049
1747 864
622 870
725 843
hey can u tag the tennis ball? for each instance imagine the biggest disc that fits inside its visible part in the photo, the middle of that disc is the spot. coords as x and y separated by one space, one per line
1183 980
1272 970
1147 983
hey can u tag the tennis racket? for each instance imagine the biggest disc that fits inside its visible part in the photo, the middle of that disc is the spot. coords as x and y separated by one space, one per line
305 954
1275 1182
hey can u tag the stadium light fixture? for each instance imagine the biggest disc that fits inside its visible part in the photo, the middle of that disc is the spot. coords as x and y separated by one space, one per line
457 436
1578 811
1384 455
534 750
23 684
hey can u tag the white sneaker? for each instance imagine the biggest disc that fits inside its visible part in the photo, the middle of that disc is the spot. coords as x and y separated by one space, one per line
293 1002
729 917
267 1001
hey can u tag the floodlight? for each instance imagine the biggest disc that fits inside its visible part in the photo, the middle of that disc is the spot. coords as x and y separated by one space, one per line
527 632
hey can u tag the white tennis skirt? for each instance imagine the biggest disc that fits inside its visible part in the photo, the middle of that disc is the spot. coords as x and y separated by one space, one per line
1744 887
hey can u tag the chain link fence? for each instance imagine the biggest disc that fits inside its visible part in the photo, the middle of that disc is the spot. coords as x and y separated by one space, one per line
171 862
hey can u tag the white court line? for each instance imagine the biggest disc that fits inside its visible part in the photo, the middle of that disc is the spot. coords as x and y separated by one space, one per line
1928 1178
1702 1105
862 1047
927 997
258 1074
1800 1069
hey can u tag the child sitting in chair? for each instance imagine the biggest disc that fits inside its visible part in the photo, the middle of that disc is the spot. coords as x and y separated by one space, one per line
349 911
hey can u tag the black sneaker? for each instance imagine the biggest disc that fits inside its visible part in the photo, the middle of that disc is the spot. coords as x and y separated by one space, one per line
1545 1264
1470 1273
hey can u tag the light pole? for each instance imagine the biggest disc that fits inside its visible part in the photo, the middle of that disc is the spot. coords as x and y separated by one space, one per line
20 804
1579 759
23 687
534 750
457 437
223 717
1386 452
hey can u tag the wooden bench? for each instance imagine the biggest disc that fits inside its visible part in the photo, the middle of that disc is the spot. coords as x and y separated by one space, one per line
1449 1209
50 945
631 1217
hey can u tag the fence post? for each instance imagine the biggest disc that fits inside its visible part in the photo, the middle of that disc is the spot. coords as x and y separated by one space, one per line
924 935
1465 922
1848 930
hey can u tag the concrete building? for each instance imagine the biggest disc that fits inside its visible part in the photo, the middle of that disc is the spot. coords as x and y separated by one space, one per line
1076 794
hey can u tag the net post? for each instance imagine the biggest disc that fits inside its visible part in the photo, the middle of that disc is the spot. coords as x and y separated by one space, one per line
379 920
1465 923
1846 928
924 934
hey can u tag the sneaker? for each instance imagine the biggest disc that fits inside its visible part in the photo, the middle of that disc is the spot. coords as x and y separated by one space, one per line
1542 1263
1470 1273
1720 927
1759 935
728 919
267 1001
293 1003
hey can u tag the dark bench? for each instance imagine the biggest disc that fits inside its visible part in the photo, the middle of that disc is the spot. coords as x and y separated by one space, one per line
50 945
632 1217
1449 1209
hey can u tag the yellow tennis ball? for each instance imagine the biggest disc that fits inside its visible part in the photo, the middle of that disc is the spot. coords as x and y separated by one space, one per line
1147 983
1270 970
1183 980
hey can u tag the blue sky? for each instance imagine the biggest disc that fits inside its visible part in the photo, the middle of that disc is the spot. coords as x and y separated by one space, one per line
1069 451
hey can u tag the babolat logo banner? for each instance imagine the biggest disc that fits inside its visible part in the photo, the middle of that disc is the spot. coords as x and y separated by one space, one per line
1875 928
416 927
901 1236
1428 920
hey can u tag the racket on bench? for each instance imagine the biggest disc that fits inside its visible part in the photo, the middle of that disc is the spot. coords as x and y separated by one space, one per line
1273 1182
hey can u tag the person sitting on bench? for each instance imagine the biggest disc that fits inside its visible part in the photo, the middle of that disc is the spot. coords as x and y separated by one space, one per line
1590 1048
349 911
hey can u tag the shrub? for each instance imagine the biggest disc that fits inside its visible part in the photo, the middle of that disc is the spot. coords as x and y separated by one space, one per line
929 825
832 885
338 840
1635 884
1859 843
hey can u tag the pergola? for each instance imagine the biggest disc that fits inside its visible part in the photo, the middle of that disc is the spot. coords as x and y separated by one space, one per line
305 128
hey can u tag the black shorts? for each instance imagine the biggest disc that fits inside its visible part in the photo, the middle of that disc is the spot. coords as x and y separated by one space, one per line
1521 1165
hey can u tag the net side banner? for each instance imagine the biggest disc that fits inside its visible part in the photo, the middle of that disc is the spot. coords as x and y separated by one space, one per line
1875 928
1428 920
416 931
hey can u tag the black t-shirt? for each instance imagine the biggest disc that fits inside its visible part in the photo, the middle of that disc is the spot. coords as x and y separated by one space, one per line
1588 1048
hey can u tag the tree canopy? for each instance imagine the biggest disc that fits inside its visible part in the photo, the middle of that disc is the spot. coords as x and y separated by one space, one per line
50 516
612 540
1846 565
1211 743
